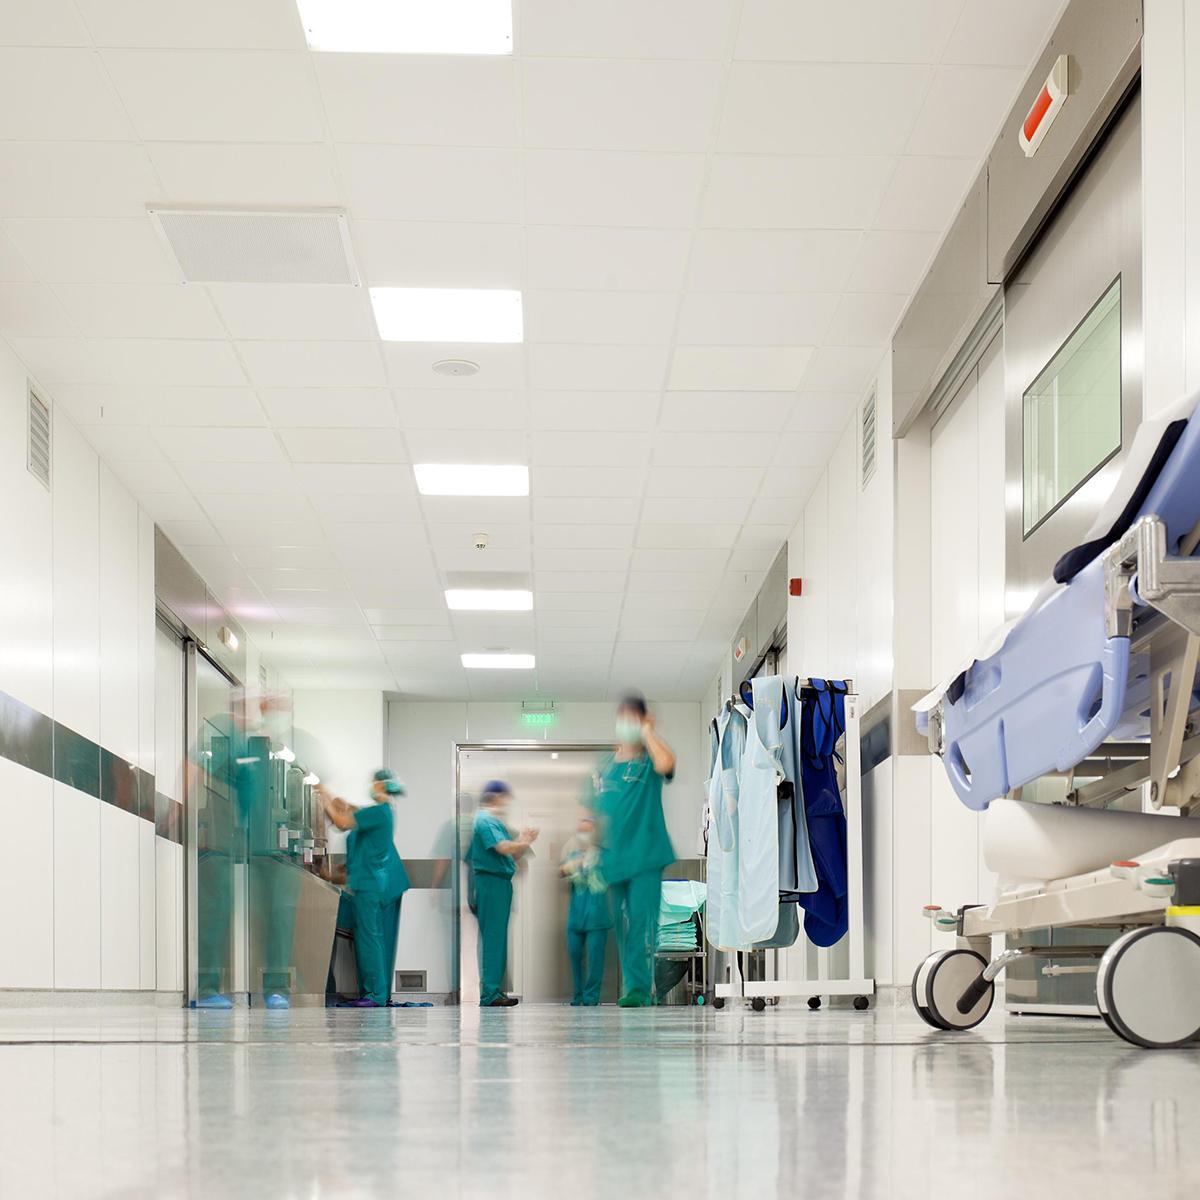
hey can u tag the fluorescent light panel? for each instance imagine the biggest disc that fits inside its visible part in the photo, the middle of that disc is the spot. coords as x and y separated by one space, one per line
448 314
489 599
471 479
408 26
499 662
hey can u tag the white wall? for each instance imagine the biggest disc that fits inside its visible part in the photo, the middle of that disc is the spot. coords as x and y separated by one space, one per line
78 897
421 737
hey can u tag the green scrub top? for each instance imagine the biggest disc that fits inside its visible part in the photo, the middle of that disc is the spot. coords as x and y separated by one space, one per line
590 907
373 865
482 855
627 800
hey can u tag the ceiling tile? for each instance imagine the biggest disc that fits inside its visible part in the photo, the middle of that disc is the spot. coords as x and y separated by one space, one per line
145 478
263 311
738 368
74 99
694 584
589 449
60 360
892 262
217 23
546 600
362 506
439 254
140 310
255 558
606 368
597 258
480 511
410 365
842 368
85 250
467 446
770 537
329 407
747 559
611 318
567 559
579 581
713 411
75 179
467 558
963 110
594 187
344 445
312 364
122 443
833 192
925 193
651 605
553 639
366 479
579 483
979 39
778 510
183 533
619 104
867 31
627 28
704 480
803 449
726 260
13 268
372 535
611 412
435 100
566 510
789 481
47 23
877 104
238 532
678 536
464 410
456 535
580 537
33 310
130 405
217 96
695 559
822 412
171 362
865 319
750 319
261 175
717 508
432 183
254 483
714 450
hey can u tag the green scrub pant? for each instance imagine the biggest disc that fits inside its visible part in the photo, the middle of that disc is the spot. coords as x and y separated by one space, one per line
586 949
635 906
376 924
493 903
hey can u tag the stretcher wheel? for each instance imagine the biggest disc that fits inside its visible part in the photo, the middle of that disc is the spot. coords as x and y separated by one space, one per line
758 1003
861 1003
814 1002
939 982
718 1002
1148 987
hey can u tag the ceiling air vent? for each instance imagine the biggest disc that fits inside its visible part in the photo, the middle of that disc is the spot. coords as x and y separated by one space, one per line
38 439
868 439
221 246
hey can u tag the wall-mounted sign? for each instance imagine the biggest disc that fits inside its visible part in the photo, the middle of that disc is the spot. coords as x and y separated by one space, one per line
537 718
1046 107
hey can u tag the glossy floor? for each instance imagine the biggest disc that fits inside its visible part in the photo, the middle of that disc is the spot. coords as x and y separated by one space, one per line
550 1101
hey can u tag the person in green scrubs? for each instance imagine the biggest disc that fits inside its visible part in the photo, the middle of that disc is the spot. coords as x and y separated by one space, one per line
492 857
626 796
377 880
589 917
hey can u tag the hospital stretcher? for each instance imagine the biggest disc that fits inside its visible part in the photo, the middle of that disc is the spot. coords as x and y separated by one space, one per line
1097 684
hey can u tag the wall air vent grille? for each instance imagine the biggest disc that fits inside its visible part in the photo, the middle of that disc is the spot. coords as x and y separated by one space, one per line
38 440
869 435
258 247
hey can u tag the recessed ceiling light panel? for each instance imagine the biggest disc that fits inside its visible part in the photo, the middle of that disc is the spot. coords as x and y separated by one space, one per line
471 479
489 599
408 26
448 314
499 662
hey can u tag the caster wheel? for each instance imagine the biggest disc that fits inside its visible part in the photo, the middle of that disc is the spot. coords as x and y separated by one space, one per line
1147 985
758 1003
814 1002
718 1002
938 983
700 1000
861 1003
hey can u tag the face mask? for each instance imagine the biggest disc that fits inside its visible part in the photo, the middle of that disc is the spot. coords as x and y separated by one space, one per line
585 837
629 733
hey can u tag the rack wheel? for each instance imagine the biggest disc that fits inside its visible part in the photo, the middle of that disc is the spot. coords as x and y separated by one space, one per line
861 1003
938 983
758 1003
1147 986
718 1002
700 999
814 1002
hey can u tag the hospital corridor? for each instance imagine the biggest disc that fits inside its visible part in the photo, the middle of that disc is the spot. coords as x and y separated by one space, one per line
599 599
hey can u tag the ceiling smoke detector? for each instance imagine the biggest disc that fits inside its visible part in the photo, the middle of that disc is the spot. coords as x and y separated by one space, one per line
480 541
457 367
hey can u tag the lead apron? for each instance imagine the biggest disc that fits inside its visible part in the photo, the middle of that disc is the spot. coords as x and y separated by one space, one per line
758 815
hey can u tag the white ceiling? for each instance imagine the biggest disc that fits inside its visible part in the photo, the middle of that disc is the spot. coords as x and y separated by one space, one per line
715 210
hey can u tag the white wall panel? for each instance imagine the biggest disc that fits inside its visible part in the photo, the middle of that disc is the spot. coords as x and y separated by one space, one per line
120 897
119 595
27 881
168 715
26 630
145 642
77 915
147 906
76 593
168 915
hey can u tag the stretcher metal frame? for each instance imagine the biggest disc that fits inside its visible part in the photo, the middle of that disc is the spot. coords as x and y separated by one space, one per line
1152 598
854 982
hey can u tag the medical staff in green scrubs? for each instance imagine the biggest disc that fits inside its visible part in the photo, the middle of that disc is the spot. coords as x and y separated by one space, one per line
626 796
377 880
589 917
492 857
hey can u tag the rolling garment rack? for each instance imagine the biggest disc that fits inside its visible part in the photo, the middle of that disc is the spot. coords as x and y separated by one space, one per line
854 981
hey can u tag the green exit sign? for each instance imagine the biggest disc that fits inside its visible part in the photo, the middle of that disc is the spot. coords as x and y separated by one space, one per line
537 718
